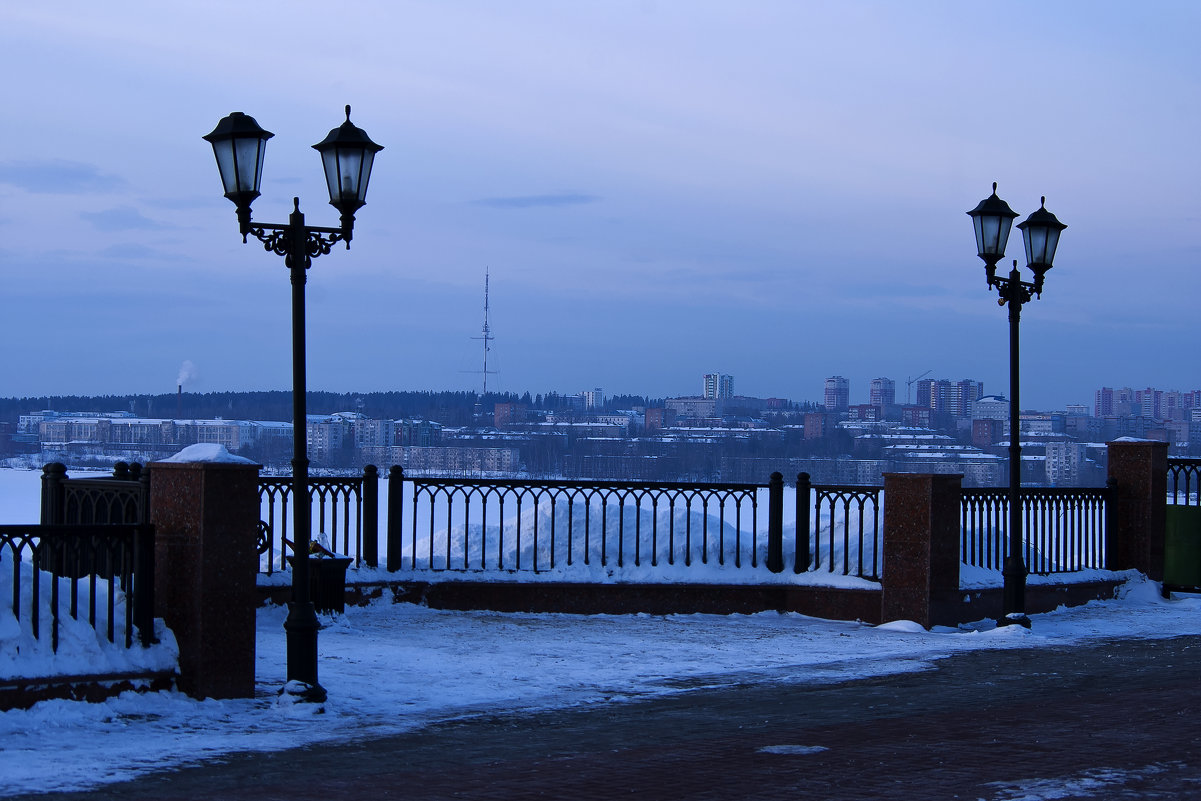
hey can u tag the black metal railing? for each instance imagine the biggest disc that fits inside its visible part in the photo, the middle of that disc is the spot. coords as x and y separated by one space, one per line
123 498
476 524
1184 481
1064 530
473 525
843 528
345 511
105 572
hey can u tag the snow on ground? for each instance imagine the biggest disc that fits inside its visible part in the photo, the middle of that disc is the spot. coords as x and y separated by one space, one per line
391 668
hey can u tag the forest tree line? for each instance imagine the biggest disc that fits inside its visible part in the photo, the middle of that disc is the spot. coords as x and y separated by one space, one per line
447 407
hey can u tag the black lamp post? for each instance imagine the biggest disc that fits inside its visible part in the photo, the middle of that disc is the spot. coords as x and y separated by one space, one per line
347 154
993 219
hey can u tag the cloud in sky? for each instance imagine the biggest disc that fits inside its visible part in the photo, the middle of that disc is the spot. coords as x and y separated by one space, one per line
537 201
57 176
122 218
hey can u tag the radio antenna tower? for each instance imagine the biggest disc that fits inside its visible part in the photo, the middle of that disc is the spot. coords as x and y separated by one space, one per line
486 335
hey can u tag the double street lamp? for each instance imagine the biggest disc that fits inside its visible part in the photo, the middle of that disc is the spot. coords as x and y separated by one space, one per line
993 219
347 154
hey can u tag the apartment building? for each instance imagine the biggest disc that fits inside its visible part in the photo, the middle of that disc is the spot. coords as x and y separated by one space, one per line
882 392
837 394
718 385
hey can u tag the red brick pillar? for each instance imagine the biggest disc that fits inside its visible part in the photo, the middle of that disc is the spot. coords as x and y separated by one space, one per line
921 548
1138 471
206 516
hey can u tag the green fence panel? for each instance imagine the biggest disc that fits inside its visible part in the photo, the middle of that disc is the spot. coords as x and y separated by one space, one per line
1182 547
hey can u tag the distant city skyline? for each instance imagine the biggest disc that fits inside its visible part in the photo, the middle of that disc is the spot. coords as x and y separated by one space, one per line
655 189
937 394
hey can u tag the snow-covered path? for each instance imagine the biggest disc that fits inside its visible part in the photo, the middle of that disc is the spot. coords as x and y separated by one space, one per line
391 668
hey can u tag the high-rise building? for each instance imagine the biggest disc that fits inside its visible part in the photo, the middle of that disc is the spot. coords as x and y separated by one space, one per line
940 396
718 385
1149 401
882 392
593 398
838 394
955 398
962 397
925 391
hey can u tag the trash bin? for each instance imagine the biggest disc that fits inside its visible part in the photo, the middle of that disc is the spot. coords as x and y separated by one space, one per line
327 582
1182 547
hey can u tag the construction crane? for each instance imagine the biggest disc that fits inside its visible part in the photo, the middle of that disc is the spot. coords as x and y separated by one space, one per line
909 386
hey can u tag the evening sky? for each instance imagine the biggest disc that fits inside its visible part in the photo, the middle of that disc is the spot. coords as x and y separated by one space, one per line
774 190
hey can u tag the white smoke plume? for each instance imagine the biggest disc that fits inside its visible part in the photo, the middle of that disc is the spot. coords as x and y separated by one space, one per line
187 373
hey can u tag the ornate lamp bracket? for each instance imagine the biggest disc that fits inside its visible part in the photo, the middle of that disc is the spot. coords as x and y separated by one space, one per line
296 240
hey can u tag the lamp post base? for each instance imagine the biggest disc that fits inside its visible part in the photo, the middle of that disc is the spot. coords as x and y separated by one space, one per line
1013 594
301 630
1014 619
297 692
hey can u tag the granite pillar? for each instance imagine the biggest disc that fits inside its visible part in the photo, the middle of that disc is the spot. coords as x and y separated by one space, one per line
1138 473
921 547
206 516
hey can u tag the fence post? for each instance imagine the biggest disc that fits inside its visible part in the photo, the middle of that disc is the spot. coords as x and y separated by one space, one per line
371 515
1111 523
52 493
921 548
143 583
143 476
205 517
804 491
1139 469
395 516
775 523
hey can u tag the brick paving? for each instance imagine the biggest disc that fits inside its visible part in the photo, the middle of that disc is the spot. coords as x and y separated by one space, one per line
1116 720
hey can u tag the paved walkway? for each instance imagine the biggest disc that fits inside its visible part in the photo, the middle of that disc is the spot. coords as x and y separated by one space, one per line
1111 721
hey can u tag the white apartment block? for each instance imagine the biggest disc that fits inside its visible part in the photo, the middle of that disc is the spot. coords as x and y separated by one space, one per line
718 385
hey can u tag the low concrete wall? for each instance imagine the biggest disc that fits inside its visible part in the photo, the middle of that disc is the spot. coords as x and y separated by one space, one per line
617 599
24 693
831 603
977 604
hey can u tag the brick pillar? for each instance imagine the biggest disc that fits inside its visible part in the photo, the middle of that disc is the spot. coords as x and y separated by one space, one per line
206 528
921 547
1138 471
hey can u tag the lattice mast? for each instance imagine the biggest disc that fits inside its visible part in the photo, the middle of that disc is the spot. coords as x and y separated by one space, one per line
486 335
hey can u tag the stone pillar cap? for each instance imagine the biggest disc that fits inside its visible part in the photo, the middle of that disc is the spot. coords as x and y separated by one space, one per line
207 452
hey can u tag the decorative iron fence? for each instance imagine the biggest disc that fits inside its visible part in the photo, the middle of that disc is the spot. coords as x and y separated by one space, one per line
1184 482
539 526
345 514
843 524
122 499
108 570
1064 530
